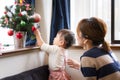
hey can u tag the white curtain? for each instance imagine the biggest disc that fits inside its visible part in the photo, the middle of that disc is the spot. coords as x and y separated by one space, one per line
91 8
117 19
4 38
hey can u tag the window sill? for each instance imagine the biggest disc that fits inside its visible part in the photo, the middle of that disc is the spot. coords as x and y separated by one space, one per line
26 50
113 46
17 51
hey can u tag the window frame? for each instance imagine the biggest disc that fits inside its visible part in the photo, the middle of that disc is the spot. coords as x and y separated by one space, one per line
113 41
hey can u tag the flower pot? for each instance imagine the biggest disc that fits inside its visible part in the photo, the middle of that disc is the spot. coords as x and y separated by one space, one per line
19 42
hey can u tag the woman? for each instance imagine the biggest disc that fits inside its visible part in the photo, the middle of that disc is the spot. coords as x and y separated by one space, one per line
98 62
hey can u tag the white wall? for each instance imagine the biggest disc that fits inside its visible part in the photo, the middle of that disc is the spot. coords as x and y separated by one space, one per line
27 60
44 8
22 61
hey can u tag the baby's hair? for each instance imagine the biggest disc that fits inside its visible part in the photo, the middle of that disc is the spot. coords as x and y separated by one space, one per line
68 36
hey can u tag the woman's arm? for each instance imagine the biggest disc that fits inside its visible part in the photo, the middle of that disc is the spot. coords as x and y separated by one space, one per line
73 64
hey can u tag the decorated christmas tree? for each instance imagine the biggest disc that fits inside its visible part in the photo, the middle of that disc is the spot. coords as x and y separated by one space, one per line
19 17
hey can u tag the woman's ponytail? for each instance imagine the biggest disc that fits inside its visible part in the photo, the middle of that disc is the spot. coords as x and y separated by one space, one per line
106 46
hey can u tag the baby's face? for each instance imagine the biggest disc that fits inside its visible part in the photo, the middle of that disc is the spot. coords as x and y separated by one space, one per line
58 40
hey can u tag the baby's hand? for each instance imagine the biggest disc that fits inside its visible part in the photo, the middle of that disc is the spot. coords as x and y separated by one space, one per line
73 63
36 31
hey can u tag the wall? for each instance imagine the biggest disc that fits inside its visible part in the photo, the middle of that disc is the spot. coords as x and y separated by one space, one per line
20 62
44 8
14 64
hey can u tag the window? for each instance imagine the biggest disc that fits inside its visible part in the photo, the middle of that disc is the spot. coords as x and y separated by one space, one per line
115 22
4 38
91 8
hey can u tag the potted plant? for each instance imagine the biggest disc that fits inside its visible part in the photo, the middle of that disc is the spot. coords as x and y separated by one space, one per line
20 19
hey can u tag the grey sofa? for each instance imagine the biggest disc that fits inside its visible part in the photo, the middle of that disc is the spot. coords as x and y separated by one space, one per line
40 73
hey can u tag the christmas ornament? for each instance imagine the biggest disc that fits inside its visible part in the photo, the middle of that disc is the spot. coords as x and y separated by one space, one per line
37 17
22 23
16 17
9 14
20 14
24 13
33 28
5 12
10 32
19 35
21 1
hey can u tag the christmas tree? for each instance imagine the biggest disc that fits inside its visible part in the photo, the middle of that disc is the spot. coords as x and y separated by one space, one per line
19 17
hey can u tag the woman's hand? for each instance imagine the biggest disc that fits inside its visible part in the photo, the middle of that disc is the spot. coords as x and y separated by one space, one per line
73 64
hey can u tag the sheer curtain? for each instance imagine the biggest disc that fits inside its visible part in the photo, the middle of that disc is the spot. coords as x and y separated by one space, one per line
91 8
4 38
117 20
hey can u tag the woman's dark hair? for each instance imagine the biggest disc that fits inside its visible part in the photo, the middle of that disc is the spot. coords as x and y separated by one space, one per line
68 36
95 30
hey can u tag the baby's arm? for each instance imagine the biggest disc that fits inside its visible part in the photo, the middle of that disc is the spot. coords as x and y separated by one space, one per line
73 64
43 46
38 37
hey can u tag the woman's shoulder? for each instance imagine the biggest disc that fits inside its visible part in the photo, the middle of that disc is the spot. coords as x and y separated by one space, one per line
95 52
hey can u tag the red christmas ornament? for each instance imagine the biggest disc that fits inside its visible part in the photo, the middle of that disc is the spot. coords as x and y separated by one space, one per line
10 32
33 28
20 14
37 17
15 2
5 12
19 35
27 5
